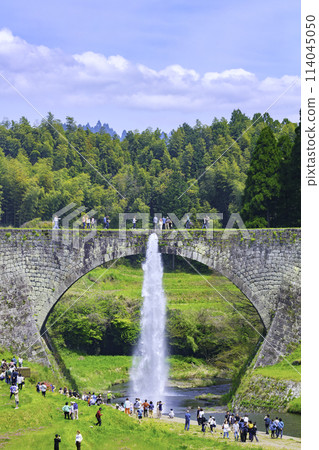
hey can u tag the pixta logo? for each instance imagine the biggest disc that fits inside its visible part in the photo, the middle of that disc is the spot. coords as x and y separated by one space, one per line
170 222
70 235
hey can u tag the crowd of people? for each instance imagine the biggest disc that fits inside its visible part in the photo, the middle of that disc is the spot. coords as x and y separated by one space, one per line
159 223
10 373
241 426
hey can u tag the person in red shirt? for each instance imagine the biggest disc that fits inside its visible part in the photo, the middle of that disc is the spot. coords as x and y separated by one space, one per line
98 417
145 408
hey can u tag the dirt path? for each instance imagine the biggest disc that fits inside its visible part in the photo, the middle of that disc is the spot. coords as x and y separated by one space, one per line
265 441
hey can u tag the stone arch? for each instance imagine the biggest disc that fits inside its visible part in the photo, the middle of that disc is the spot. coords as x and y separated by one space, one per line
266 268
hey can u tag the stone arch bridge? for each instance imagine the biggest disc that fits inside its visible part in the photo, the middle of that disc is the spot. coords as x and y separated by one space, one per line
38 266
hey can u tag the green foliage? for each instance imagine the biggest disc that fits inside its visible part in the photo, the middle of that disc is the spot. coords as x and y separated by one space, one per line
41 170
289 368
200 323
38 419
295 406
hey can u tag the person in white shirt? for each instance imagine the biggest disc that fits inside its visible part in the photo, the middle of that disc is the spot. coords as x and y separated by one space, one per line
20 362
20 380
226 429
155 221
43 389
78 439
127 406
171 414
236 430
212 424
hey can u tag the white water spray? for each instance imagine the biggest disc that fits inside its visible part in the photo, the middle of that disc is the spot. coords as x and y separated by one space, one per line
150 370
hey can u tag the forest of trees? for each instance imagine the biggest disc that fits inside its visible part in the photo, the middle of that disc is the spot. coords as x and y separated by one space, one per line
257 173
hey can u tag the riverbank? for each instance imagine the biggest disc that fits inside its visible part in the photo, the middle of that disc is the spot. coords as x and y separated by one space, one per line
272 387
286 443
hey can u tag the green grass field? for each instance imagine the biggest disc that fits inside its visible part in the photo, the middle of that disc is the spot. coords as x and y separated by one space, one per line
187 292
284 370
38 419
100 373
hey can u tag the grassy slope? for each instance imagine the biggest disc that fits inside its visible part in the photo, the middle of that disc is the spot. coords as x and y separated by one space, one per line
37 420
99 373
266 387
284 370
185 291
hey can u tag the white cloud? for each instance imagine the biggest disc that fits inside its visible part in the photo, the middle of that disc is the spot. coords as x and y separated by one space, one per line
46 75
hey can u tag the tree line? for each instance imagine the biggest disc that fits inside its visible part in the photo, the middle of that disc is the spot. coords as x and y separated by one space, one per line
246 165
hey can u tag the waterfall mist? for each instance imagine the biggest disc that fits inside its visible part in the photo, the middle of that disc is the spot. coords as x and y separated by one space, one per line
149 372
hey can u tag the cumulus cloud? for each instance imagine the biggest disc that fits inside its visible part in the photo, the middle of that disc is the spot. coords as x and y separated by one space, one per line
92 78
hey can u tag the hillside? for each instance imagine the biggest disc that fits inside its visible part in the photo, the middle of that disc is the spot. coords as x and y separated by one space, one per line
202 329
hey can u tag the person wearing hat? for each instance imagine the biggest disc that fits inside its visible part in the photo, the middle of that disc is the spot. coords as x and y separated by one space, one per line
75 410
212 424
108 397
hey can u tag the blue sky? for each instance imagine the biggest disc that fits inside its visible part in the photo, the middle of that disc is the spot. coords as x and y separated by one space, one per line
153 63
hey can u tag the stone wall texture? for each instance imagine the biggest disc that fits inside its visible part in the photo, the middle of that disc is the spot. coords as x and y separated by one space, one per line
38 266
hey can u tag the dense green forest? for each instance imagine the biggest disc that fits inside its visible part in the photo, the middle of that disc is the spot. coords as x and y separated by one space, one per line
247 165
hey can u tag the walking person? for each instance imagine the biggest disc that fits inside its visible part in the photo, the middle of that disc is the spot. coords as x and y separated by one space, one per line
197 415
13 390
98 416
272 429
212 424
226 429
43 389
280 428
187 420
236 430
78 440
200 416
267 423
134 222
254 432
55 223
16 399
20 381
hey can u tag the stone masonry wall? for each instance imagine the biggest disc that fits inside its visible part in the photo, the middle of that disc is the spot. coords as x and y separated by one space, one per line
35 270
